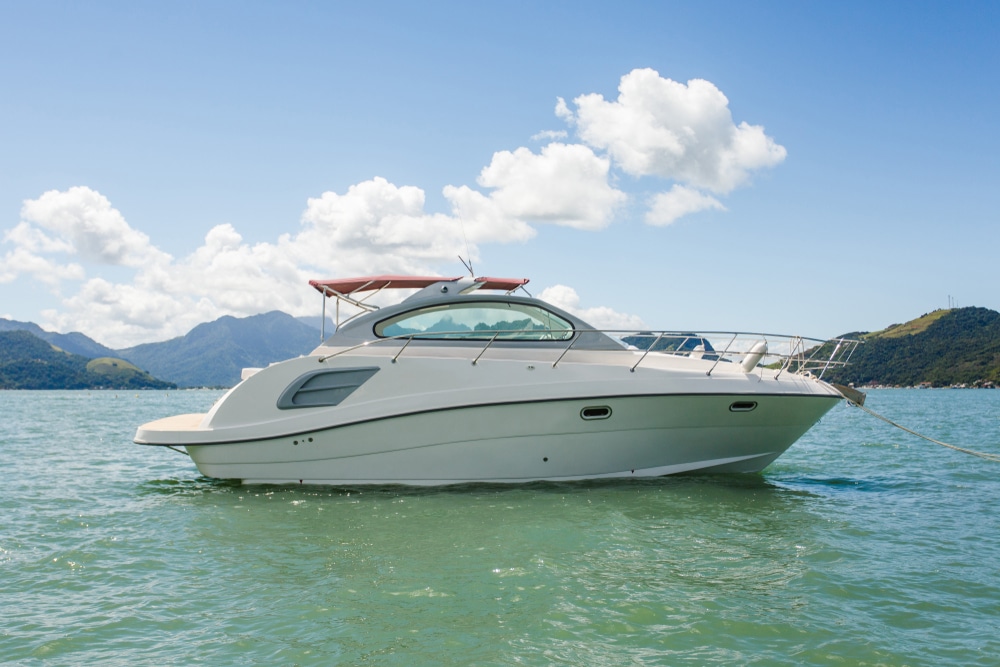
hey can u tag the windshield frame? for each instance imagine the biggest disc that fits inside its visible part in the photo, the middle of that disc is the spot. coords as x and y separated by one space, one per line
545 325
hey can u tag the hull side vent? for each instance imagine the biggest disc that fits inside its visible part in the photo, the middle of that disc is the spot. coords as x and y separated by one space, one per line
324 388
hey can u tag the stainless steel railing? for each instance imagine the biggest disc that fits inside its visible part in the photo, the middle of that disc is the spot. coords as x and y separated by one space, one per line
756 352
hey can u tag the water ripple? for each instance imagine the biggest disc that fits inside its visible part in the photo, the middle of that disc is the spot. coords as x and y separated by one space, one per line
859 546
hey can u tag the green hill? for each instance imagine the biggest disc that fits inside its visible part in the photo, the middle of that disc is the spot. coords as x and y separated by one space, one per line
28 362
959 346
75 342
214 353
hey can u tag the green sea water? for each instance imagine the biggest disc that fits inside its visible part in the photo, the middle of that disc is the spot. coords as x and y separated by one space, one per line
861 546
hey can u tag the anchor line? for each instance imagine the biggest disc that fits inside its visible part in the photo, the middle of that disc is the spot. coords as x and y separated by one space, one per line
983 455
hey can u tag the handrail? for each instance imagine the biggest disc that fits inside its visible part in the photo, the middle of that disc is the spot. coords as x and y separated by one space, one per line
784 352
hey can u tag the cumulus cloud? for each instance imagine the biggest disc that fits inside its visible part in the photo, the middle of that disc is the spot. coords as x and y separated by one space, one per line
600 317
122 314
563 111
374 227
22 260
126 291
379 224
84 220
683 132
550 135
679 201
33 239
566 184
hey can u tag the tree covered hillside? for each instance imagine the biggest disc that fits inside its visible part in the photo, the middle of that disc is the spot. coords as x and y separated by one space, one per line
942 348
28 362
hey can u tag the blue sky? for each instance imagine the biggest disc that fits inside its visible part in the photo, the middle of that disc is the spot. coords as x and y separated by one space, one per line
163 164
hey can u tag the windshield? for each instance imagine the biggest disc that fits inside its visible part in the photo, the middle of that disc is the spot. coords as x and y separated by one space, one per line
477 320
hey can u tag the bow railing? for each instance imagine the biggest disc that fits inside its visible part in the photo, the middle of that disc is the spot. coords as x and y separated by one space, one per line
755 352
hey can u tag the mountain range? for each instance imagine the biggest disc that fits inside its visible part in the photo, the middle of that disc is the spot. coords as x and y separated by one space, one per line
210 355
958 346
214 354
74 343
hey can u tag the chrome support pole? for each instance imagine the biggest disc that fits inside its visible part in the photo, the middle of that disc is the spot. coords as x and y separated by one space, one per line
322 322
832 356
722 354
483 351
658 337
571 344
408 341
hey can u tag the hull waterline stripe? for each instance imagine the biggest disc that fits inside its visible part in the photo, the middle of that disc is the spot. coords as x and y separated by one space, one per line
322 429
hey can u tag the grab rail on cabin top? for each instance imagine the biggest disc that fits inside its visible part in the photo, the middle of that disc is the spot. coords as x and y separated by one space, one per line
780 353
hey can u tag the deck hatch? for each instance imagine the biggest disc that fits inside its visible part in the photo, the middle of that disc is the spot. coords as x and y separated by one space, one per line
324 388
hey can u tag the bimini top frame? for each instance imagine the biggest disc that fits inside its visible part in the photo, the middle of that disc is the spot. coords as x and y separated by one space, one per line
347 289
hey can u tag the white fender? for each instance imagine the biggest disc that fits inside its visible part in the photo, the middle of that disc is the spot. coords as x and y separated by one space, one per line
754 356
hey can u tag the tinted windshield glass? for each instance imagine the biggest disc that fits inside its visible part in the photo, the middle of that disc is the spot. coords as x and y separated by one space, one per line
478 321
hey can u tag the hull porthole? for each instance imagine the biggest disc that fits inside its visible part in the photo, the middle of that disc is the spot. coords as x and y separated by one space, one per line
595 412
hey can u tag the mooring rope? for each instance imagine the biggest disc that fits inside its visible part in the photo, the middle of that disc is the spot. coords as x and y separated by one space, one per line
982 455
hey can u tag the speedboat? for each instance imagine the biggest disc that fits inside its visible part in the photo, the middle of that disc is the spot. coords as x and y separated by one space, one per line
473 380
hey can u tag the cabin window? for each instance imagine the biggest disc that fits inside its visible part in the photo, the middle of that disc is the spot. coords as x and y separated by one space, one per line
477 321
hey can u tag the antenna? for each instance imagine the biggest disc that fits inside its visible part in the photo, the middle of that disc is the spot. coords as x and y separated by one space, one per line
468 252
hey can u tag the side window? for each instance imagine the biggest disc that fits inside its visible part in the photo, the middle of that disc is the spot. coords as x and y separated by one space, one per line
477 321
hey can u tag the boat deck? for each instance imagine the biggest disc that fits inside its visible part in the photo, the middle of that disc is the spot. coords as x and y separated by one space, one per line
187 422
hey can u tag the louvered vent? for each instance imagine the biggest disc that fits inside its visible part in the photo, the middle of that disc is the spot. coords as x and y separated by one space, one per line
324 387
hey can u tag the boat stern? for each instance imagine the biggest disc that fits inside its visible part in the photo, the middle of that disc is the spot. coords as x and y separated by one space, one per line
170 431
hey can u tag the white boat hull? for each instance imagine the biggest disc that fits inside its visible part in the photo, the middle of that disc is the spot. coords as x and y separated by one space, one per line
512 442
455 413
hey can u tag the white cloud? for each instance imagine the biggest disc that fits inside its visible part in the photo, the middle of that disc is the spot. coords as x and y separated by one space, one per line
567 184
84 220
375 227
378 227
550 135
679 201
600 317
33 239
681 132
483 220
121 315
128 291
22 260
563 111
